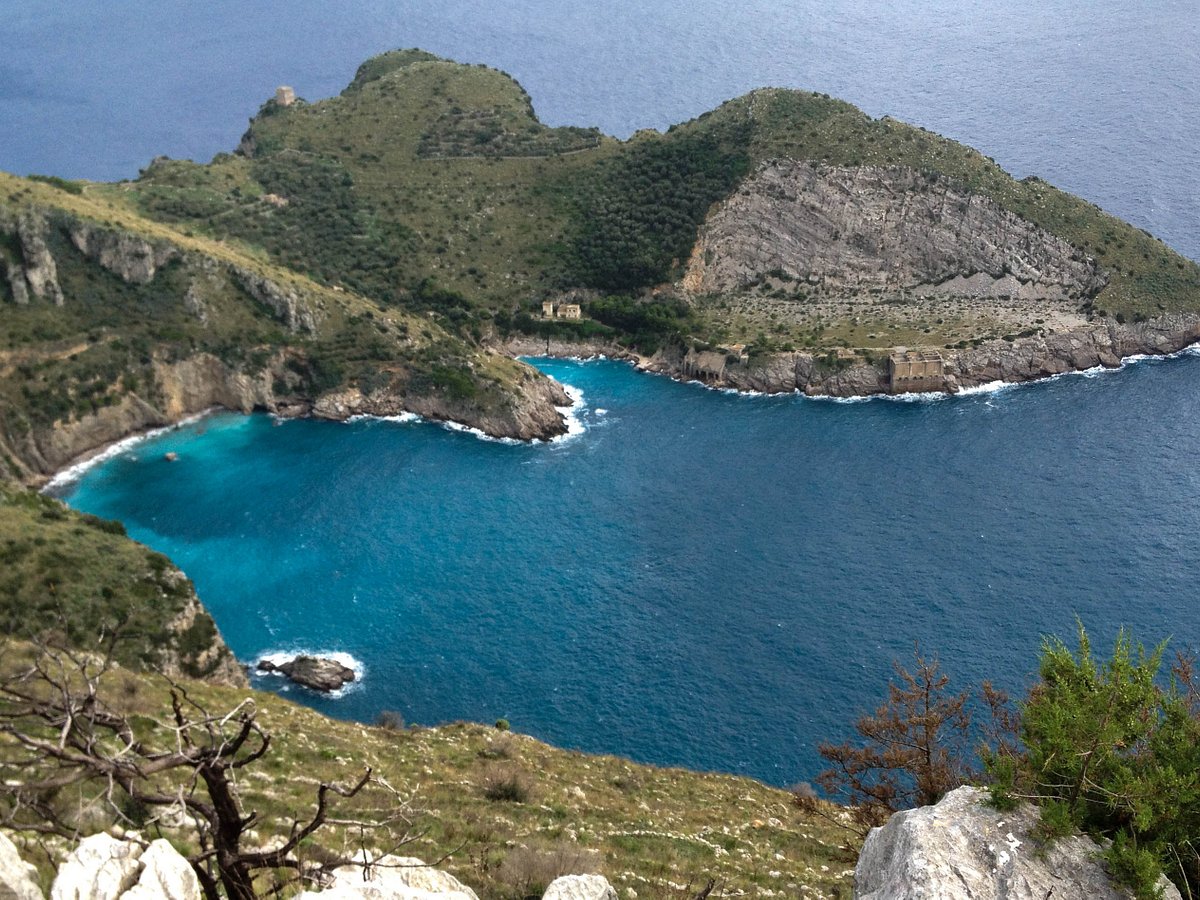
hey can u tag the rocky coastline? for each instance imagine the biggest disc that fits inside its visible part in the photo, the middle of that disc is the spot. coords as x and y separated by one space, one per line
1106 344
203 384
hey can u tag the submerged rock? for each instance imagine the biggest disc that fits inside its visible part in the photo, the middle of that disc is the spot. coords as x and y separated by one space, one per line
962 849
315 672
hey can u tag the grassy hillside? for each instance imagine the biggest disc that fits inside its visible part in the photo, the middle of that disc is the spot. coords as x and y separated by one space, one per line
72 579
511 812
431 185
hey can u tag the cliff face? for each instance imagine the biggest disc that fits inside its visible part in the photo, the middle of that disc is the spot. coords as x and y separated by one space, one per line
1025 359
185 388
529 410
855 229
152 330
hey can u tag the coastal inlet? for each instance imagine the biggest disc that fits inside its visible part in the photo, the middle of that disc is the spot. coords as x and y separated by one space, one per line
697 577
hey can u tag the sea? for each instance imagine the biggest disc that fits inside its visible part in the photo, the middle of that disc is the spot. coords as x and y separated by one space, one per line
692 577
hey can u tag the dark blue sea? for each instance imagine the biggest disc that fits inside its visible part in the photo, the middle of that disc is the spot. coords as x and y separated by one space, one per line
696 578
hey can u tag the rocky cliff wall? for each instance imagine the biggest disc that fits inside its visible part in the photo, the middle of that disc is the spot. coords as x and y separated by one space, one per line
1025 359
184 388
854 229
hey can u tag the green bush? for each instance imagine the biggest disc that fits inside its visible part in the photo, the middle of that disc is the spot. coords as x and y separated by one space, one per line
1108 750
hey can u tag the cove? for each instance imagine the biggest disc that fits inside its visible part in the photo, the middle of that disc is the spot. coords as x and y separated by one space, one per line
697 578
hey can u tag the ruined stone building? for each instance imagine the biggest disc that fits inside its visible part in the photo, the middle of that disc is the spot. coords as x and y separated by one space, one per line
915 370
552 310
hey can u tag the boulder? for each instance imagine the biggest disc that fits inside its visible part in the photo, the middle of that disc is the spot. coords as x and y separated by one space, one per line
315 672
18 879
580 887
100 868
392 878
962 849
166 875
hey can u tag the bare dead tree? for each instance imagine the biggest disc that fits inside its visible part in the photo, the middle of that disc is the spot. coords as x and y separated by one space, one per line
910 751
64 748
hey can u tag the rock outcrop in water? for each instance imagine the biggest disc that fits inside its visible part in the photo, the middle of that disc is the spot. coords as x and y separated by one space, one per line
962 849
317 673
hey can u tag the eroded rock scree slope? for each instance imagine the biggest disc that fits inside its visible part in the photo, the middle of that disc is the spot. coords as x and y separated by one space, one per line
855 229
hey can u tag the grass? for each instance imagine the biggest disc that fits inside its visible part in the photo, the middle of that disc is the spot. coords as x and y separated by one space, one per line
71 578
654 832
428 171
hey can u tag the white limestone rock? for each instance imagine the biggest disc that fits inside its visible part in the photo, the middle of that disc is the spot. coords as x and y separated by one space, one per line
18 879
392 878
100 868
166 875
580 887
962 849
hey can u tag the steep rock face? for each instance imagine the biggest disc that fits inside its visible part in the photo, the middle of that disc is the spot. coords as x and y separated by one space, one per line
961 849
196 648
855 229
530 411
30 269
296 312
135 260
186 387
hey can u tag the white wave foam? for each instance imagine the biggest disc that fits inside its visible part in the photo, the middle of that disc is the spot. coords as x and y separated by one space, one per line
74 472
477 433
402 419
990 387
571 415
279 657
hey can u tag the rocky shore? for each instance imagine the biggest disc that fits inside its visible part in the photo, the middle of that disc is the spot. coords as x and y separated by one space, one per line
1101 345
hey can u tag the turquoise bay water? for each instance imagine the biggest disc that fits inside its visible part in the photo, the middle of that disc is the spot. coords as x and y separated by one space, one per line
698 578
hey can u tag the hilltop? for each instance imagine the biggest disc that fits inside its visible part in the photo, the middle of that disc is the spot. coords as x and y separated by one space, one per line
393 247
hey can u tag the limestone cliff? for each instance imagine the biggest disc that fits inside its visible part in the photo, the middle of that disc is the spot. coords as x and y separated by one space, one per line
1024 359
156 327
134 259
855 229
183 388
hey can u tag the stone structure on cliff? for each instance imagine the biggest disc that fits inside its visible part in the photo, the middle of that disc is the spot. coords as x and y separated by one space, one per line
962 849
915 370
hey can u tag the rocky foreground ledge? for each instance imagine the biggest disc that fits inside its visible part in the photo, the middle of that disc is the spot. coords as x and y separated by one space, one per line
103 867
962 849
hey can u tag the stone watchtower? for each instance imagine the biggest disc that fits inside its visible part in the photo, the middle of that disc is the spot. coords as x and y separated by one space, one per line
910 370
284 95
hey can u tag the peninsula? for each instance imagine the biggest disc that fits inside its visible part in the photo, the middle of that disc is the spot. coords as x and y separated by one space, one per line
395 247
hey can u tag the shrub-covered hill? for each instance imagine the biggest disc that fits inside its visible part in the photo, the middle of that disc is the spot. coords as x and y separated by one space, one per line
110 323
432 186
74 580
508 812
